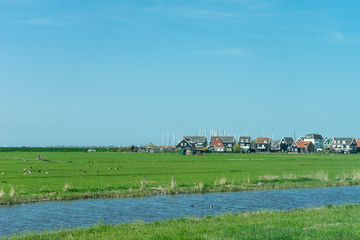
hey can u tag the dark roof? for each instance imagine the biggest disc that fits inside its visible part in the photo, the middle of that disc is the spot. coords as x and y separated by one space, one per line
288 140
347 140
245 137
313 136
224 139
195 139
192 144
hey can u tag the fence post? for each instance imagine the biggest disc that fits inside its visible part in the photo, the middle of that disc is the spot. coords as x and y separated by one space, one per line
173 182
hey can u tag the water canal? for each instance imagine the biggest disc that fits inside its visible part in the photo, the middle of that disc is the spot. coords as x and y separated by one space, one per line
81 213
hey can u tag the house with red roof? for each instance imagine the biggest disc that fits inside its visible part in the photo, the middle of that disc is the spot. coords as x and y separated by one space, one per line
217 145
302 147
262 144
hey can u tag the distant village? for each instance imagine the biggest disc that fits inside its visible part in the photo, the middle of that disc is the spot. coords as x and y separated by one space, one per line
311 143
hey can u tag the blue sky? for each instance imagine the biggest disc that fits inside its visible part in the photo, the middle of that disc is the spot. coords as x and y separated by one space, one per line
129 72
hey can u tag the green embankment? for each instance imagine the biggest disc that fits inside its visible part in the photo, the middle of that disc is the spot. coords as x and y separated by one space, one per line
330 222
69 175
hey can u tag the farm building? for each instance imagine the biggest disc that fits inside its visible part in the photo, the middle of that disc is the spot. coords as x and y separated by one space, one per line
344 145
302 147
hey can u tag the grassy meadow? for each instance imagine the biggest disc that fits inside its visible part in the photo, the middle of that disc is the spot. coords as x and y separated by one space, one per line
72 175
330 222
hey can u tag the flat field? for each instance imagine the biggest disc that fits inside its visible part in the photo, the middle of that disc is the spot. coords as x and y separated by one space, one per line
107 174
330 222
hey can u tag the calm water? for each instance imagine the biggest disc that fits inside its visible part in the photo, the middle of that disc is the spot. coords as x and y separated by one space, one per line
81 213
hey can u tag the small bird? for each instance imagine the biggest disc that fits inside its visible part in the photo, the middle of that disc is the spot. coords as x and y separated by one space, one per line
211 206
88 166
192 206
46 172
84 171
2 173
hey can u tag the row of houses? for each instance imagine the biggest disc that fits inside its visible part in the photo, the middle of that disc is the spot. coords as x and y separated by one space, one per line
310 143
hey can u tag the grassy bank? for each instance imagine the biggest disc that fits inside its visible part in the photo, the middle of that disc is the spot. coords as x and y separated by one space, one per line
341 222
89 175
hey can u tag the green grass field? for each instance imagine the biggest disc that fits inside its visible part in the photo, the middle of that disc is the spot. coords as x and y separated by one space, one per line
341 222
83 175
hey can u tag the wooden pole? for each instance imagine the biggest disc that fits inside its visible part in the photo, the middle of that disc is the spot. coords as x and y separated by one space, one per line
173 182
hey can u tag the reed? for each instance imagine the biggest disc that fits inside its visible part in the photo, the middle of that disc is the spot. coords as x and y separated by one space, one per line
268 177
199 187
12 191
289 176
355 174
67 187
322 176
2 193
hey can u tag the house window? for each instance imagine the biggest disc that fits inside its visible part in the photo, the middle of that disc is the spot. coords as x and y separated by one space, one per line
343 142
219 144
242 140
230 145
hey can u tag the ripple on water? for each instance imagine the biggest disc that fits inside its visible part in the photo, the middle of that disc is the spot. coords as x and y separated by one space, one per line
81 213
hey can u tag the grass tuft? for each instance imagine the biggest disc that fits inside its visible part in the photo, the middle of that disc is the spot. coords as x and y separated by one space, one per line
322 176
2 193
67 187
12 191
289 176
200 187
268 177
356 174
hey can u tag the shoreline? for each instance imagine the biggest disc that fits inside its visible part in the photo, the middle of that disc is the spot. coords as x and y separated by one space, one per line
150 193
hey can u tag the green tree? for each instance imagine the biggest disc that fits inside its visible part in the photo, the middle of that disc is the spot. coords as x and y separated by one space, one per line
149 144
237 148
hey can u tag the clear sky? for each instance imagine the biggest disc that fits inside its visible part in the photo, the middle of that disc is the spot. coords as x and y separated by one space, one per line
129 72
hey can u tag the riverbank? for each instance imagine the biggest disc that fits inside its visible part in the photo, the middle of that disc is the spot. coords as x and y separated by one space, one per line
330 222
169 191
70 176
